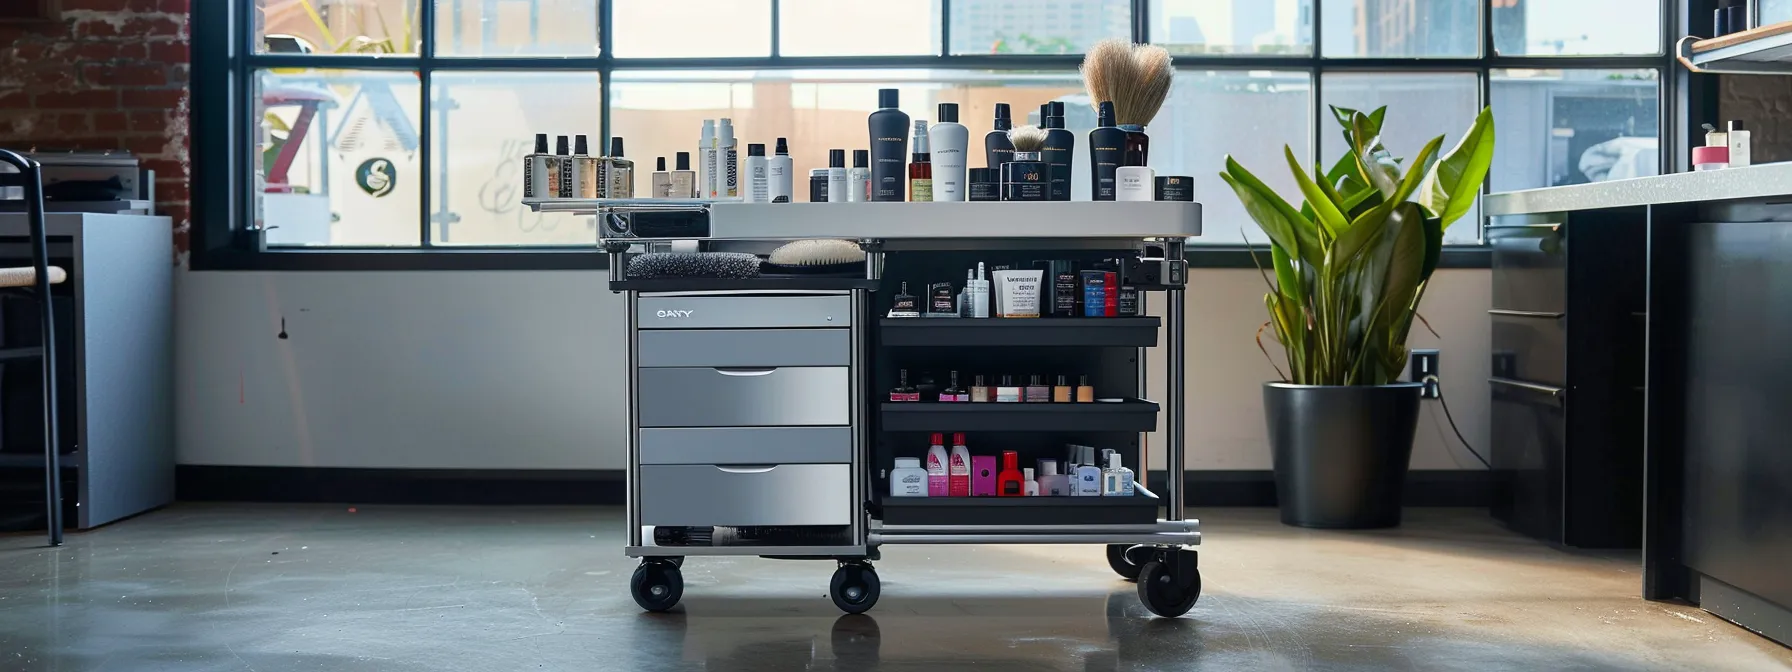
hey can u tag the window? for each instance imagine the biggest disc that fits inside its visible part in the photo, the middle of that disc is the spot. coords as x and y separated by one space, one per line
388 124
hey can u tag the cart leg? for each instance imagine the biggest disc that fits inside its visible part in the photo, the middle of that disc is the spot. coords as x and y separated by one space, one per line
1174 427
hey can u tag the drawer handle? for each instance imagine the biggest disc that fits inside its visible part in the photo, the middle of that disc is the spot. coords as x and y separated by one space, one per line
1496 227
750 469
746 371
1550 390
1525 313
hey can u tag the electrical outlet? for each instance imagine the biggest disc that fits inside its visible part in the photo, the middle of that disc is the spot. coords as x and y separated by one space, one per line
1423 364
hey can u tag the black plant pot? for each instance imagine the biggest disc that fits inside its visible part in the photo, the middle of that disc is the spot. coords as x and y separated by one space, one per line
1341 453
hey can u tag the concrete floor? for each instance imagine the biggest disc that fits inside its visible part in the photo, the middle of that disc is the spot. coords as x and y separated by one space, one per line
267 588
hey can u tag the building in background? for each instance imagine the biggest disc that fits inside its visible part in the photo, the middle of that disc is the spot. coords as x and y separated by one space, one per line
1067 27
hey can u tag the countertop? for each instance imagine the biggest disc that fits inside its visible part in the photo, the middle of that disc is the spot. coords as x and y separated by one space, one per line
1768 180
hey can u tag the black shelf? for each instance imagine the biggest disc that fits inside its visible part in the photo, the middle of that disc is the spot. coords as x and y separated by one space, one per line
803 283
1137 332
1131 415
1141 508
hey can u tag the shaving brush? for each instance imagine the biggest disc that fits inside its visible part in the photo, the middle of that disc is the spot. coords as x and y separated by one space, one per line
1133 80
1027 177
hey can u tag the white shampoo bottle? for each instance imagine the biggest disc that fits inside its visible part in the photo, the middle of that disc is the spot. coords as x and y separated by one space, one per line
706 161
948 140
781 179
1086 476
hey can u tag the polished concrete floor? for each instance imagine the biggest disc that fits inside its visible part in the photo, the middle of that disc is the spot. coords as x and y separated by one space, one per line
394 589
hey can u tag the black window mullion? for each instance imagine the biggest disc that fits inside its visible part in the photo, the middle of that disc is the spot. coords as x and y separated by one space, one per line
777 10
945 28
606 58
426 12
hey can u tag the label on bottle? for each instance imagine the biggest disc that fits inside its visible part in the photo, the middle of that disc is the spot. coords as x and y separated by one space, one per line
731 188
906 483
920 190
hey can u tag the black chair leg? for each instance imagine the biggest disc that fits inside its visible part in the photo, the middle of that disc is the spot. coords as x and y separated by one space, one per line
30 177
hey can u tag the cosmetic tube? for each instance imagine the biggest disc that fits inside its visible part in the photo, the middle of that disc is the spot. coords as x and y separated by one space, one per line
781 173
947 140
889 148
1107 152
837 190
997 148
1019 293
858 179
759 181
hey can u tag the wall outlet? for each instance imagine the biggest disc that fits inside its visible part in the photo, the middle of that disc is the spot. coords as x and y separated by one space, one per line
1422 364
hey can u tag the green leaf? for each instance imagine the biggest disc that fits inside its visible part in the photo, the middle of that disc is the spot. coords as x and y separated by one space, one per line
1434 246
1284 225
1421 168
1373 159
1287 281
1361 202
1454 182
1347 176
1324 207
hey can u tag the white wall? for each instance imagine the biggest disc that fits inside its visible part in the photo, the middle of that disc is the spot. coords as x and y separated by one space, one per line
522 370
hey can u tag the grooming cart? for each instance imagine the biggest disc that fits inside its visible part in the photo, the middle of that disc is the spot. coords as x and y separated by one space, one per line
758 424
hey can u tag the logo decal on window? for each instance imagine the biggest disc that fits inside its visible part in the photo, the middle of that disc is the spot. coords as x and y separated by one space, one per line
377 177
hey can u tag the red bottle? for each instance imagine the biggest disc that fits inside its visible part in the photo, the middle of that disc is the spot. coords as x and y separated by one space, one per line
1008 483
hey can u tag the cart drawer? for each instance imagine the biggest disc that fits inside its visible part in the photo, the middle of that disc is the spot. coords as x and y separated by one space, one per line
784 494
744 397
746 445
743 312
745 347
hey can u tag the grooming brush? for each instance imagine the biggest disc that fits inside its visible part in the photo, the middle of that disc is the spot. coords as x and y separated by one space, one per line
663 265
820 256
1028 176
1136 79
1027 139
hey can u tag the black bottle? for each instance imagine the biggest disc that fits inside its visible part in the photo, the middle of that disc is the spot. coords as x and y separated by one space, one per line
1060 150
889 149
1107 152
997 148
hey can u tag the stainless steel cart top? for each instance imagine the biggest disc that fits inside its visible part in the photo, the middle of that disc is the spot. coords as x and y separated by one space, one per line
1070 220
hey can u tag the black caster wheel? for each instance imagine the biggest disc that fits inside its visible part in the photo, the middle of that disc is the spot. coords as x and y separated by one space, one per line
656 585
1161 592
1126 560
855 587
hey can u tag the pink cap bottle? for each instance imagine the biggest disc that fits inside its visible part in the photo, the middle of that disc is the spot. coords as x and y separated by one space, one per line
938 478
960 467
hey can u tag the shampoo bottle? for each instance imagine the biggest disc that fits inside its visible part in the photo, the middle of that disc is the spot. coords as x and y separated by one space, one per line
997 148
1052 483
782 179
889 148
759 179
938 475
947 140
1029 486
1008 483
908 479
535 170
1060 150
959 469
837 176
1107 152
706 161
858 180
727 161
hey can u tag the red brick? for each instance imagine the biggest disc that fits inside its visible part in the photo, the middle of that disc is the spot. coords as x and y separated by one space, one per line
150 26
27 52
168 52
125 74
154 99
76 100
72 123
110 122
171 190
95 28
14 99
148 121
52 78
143 147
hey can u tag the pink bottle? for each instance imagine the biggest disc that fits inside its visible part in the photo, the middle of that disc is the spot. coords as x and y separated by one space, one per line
937 478
983 476
960 468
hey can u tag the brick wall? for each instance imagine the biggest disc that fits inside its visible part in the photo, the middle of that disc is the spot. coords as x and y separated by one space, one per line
109 74
1764 103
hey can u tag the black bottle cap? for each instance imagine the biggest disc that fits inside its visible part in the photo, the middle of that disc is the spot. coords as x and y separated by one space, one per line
886 98
836 158
616 146
560 146
1045 112
683 161
861 158
579 146
755 149
541 143
948 113
1736 125
783 148
1003 123
1057 109
659 165
1104 115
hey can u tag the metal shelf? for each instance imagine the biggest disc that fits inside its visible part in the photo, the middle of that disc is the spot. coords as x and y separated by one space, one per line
1766 50
1082 332
1131 415
1139 509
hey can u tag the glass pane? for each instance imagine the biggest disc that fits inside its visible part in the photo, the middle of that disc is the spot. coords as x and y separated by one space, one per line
694 28
336 26
533 28
336 157
485 122
1036 26
1217 27
1249 115
1576 27
815 27
1557 127
1400 28
662 112
1420 107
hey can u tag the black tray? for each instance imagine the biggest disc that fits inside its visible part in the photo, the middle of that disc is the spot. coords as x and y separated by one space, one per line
1141 508
799 283
1138 332
1132 415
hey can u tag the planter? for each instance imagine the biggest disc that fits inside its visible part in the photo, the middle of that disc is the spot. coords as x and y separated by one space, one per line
1341 453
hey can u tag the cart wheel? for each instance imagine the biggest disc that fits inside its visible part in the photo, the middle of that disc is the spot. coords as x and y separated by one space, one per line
1124 566
1159 592
855 587
656 585
675 560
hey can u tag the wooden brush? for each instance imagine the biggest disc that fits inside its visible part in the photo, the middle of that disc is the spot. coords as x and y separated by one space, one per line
1027 139
1136 78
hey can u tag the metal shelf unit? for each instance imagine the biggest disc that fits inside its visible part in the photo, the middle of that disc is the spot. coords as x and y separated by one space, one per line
1766 50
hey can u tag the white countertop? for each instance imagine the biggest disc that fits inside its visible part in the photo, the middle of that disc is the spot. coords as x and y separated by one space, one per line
1763 181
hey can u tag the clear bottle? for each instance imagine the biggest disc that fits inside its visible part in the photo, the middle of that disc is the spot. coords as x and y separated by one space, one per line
1008 392
1061 391
1037 391
621 172
953 392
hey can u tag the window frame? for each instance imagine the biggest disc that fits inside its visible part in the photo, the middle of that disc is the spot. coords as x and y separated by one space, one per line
225 61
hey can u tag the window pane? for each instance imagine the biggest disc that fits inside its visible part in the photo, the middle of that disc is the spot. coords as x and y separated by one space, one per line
534 28
336 160
816 27
662 112
336 26
485 122
1264 27
1249 115
1420 107
1557 127
695 28
1396 28
1036 26
1576 27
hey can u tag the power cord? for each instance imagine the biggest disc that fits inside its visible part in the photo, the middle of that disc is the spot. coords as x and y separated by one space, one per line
1433 383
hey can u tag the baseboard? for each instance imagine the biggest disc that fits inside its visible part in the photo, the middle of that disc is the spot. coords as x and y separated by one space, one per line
204 483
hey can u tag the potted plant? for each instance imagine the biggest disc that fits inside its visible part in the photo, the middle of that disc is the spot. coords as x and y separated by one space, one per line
1351 265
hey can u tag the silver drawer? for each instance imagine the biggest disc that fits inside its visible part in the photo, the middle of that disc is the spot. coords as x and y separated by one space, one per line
785 494
743 312
758 397
746 445
745 347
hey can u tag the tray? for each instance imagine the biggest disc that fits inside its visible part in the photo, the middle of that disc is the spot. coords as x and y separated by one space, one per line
1139 509
1129 332
1131 415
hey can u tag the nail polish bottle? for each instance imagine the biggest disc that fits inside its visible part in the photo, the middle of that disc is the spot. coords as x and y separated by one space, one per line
1085 393
1051 483
1007 392
938 474
905 304
954 393
1038 392
979 391
1029 486
903 391
983 476
1061 392
1008 483
959 476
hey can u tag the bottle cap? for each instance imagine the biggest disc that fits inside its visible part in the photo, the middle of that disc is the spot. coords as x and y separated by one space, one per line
616 146
709 130
908 463
1048 467
1057 108
861 158
579 146
1061 382
886 98
782 149
1736 125
683 161
1003 122
948 113
1010 460
560 146
1113 461
1027 473
659 165
1104 113
958 438
836 158
937 439
1088 454
755 149
541 143
725 129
